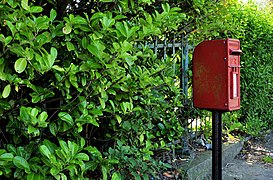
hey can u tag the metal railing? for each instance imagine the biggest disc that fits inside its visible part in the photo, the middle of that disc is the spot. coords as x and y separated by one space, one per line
172 47
197 126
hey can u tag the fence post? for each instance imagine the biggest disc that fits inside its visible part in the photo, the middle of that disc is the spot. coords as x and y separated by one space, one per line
186 66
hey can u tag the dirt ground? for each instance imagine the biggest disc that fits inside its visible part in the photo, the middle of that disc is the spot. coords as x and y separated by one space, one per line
250 164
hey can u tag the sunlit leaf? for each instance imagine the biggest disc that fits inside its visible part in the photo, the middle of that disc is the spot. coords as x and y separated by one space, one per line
24 4
53 14
70 46
67 29
20 65
45 151
116 176
35 9
82 156
6 91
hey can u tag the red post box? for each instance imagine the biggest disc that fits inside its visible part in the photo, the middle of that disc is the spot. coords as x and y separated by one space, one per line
216 75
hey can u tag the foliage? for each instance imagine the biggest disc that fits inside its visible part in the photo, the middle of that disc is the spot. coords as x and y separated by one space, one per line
267 159
253 27
79 98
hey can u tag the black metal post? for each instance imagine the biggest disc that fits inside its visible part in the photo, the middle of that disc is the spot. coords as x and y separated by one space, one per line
216 145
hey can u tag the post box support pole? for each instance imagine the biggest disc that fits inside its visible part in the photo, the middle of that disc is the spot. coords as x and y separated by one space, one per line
216 145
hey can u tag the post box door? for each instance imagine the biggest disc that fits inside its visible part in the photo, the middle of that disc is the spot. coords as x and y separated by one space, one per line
234 73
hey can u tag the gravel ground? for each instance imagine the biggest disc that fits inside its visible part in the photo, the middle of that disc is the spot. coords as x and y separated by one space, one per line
249 164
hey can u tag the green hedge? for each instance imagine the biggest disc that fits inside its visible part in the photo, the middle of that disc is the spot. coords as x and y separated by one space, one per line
79 99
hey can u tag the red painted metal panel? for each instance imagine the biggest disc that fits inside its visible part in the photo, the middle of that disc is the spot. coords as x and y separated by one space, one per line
216 75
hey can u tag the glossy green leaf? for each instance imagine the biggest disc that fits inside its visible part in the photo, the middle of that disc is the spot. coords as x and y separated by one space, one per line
6 157
107 22
70 46
73 147
122 29
11 148
53 15
67 29
113 105
43 116
127 125
8 40
116 176
11 27
84 42
79 20
104 173
5 105
102 102
65 148
12 3
82 156
92 120
136 176
45 151
20 65
35 9
21 163
54 171
63 176
35 176
130 60
24 4
32 130
66 117
97 112
53 128
50 145
63 155
54 53
82 142
141 138
42 23
58 68
34 112
2 38
6 91
94 50
118 119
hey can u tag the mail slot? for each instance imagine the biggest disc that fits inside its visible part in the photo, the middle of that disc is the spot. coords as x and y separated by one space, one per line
216 75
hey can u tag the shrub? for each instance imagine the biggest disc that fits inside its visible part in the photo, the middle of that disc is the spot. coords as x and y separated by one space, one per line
79 98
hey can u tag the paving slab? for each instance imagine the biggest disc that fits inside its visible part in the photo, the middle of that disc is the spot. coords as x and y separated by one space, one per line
200 167
249 164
